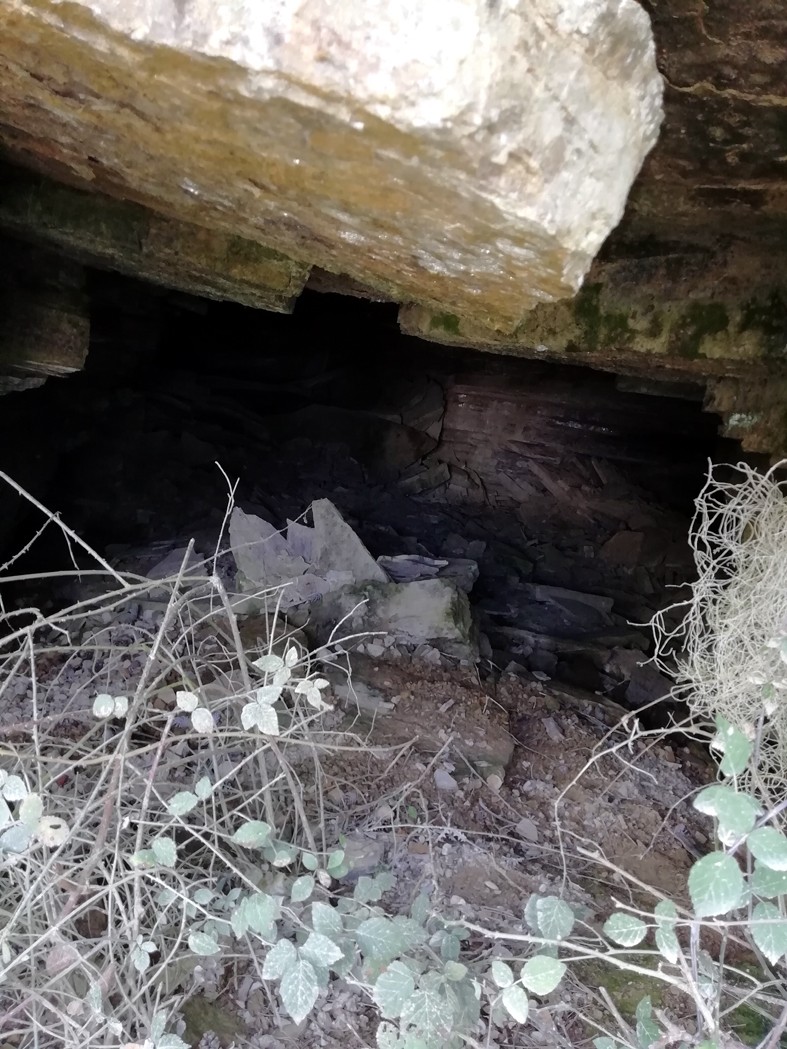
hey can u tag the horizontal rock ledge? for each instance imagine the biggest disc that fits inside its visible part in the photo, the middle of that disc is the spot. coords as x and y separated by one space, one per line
471 156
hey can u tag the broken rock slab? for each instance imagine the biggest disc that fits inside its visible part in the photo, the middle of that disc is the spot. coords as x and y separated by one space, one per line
308 562
427 610
467 155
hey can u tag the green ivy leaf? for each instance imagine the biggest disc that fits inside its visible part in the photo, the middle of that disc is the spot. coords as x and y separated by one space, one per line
769 847
554 917
336 859
516 1003
103 706
769 931
737 813
625 929
260 716
281 957
379 939
299 988
767 882
735 747
203 944
666 914
320 949
542 974
502 973
164 850
187 701
302 888
261 912
428 1010
31 810
393 989
269 664
171 1041
202 721
327 920
252 835
716 885
14 788
182 803
140 959
647 1029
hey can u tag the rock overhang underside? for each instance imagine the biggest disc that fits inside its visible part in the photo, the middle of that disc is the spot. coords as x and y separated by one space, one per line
468 161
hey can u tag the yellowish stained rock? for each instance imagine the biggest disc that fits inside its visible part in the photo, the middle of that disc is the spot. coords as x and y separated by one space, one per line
468 155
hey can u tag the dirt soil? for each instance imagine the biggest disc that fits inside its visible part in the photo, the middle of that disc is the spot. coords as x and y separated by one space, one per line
480 794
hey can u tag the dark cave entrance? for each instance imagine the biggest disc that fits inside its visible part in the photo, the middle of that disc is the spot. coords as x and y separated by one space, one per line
570 490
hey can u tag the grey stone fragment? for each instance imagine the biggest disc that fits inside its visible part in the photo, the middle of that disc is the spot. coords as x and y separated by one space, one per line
443 780
432 610
363 855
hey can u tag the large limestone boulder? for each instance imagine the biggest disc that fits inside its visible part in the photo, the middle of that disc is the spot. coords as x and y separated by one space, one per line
468 155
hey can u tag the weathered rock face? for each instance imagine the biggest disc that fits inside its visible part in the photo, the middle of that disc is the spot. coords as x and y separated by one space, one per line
471 156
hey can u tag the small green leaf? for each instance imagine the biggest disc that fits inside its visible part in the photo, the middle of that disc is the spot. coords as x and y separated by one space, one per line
140 959
454 971
735 747
31 810
542 974
769 931
280 854
261 912
267 695
605 1043
555 918
767 882
647 1029
182 803
379 939
203 944
516 1003
15 839
121 706
202 721
203 788
320 949
429 1010
421 908
716 885
336 859
327 920
625 929
187 701
278 960
502 973
165 851
769 847
260 716
252 835
171 1041
203 896
737 813
14 788
302 888
666 914
103 706
393 988
52 831
299 989
269 664
310 862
